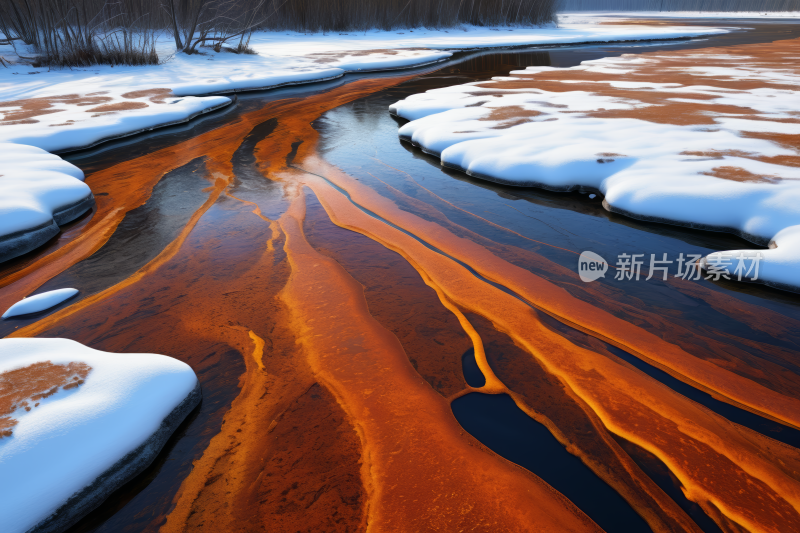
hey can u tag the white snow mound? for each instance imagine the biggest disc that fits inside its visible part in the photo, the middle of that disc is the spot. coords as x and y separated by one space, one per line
34 185
73 436
39 302
648 170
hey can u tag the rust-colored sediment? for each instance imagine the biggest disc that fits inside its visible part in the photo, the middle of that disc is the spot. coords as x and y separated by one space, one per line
286 458
693 105
716 465
414 452
26 110
21 387
558 302
550 402
510 116
157 96
197 506
335 430
120 106
432 336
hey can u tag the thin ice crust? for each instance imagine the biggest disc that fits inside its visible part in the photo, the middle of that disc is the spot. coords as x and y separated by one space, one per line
134 463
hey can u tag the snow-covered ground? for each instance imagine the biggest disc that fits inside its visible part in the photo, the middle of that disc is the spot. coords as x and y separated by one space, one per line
61 123
63 109
38 192
576 17
105 407
701 165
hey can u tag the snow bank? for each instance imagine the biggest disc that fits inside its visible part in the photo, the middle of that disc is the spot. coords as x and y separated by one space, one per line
280 65
284 58
68 453
81 125
291 57
583 16
39 302
38 192
702 176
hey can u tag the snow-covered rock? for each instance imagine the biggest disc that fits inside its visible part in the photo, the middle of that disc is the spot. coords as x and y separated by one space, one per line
82 423
38 193
716 176
39 302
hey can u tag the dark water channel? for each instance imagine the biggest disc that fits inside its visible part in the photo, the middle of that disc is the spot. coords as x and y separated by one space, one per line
496 421
361 139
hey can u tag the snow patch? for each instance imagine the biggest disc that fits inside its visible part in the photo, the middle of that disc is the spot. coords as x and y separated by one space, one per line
679 174
39 302
38 190
69 126
63 445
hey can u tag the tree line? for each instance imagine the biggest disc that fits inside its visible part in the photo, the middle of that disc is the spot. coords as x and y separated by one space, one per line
67 33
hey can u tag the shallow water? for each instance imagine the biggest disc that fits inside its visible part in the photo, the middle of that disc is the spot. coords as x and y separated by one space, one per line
198 301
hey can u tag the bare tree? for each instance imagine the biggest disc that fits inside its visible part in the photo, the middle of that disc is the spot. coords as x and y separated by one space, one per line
83 32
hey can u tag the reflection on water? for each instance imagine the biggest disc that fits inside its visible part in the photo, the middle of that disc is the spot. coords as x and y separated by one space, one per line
544 232
207 263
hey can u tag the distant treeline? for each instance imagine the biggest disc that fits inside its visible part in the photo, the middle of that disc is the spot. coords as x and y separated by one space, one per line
345 15
680 5
84 32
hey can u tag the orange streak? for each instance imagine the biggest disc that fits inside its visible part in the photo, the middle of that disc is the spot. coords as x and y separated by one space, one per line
557 302
258 350
717 465
37 328
415 453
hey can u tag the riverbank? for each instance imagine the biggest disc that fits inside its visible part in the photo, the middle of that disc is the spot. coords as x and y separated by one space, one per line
61 110
70 109
703 139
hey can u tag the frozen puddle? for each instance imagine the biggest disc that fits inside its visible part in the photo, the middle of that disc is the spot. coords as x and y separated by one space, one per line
38 193
77 423
705 138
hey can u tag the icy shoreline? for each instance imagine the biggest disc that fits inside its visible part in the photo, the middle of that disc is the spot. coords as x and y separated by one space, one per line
38 193
724 172
57 111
